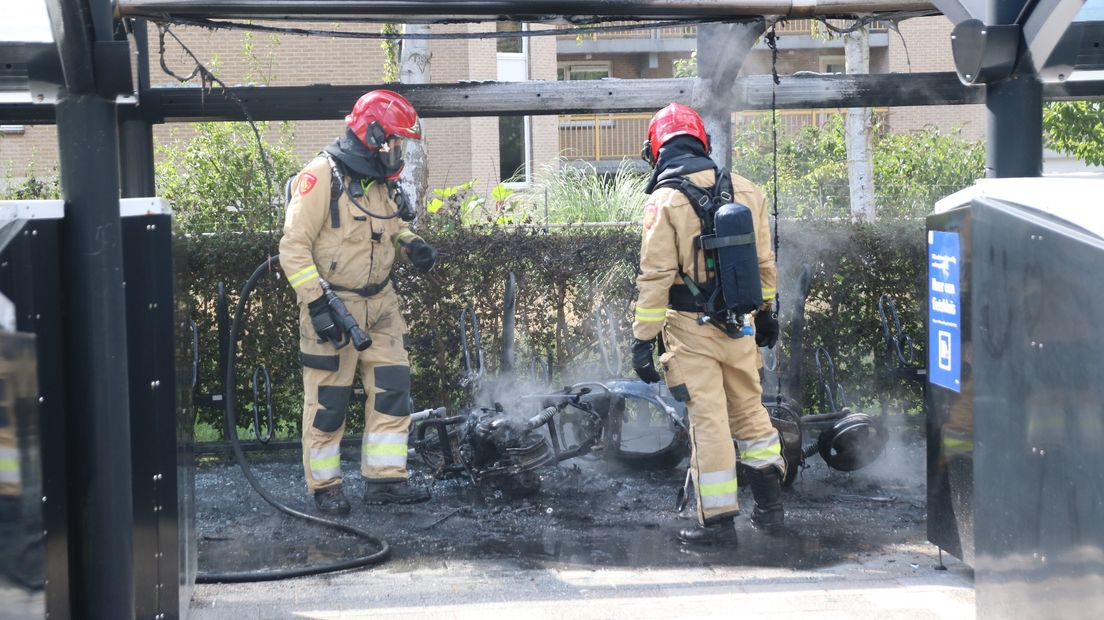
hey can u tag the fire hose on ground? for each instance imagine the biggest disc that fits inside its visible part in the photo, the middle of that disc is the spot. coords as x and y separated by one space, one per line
377 557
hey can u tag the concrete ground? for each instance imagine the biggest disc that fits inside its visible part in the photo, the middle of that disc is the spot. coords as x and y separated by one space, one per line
597 542
896 583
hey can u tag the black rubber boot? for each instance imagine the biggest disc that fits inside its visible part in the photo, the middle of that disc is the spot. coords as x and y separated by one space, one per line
723 533
393 493
331 501
766 487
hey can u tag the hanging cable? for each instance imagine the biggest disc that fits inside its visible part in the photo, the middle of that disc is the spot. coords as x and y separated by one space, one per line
772 44
892 22
207 79
384 551
895 26
581 30
867 20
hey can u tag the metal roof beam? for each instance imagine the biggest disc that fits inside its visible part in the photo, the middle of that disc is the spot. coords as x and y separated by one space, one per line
326 102
528 10
961 10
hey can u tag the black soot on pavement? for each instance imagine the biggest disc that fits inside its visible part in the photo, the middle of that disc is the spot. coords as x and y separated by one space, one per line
588 512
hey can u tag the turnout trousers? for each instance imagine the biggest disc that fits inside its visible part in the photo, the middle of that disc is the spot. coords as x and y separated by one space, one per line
717 377
328 375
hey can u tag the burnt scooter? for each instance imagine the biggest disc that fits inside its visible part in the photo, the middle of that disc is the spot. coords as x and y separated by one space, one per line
846 440
501 448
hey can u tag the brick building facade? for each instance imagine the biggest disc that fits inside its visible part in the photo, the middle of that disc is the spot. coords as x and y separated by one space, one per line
461 149
925 45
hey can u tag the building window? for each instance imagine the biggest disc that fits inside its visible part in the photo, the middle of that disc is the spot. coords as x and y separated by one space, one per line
11 129
510 45
513 131
582 70
513 149
833 64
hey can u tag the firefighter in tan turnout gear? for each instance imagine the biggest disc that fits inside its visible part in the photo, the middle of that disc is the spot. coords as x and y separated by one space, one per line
705 271
346 224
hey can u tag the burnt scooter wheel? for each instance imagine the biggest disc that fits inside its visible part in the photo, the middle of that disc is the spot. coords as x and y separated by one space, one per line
853 443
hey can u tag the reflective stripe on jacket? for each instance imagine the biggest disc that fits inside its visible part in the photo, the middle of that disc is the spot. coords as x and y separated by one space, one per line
359 252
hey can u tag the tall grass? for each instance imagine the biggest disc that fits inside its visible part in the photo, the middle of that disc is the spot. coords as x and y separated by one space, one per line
562 194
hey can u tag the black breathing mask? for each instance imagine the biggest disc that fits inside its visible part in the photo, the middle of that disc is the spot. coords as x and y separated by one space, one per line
646 153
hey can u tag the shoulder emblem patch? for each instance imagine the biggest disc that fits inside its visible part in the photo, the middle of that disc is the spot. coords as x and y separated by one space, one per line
650 213
306 183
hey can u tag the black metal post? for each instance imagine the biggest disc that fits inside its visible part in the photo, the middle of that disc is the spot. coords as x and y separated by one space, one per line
1015 128
136 134
93 313
1014 136
136 161
95 348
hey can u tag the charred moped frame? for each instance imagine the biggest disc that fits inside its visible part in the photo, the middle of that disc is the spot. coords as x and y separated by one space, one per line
500 448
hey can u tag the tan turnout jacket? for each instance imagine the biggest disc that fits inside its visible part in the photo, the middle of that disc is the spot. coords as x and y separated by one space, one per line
667 247
359 252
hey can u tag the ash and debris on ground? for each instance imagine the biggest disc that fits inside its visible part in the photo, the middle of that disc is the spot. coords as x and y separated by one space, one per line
588 512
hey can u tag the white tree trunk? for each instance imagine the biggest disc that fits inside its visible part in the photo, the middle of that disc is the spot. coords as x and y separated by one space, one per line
860 121
414 69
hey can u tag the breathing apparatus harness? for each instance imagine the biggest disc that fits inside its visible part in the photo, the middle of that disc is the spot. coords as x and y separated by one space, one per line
731 289
403 209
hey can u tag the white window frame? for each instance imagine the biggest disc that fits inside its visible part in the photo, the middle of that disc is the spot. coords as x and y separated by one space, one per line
567 65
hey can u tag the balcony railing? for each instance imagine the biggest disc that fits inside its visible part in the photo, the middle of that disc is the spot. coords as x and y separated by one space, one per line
612 137
806 27
671 32
598 137
812 27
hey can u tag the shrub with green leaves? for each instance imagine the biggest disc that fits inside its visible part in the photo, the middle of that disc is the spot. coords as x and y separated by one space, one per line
851 266
31 186
218 180
911 170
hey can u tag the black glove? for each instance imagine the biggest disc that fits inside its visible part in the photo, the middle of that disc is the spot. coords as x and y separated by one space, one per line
766 329
423 255
643 362
323 321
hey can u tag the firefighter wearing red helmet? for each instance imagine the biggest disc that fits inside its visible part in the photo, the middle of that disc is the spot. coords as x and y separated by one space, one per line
710 358
346 225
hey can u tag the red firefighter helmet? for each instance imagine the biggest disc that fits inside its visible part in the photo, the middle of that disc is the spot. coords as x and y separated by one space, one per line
382 114
381 119
673 120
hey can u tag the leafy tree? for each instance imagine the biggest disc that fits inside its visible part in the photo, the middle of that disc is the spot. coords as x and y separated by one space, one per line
391 53
218 181
1076 128
911 171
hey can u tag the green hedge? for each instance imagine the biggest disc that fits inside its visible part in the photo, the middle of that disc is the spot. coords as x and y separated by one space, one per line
564 278
852 265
